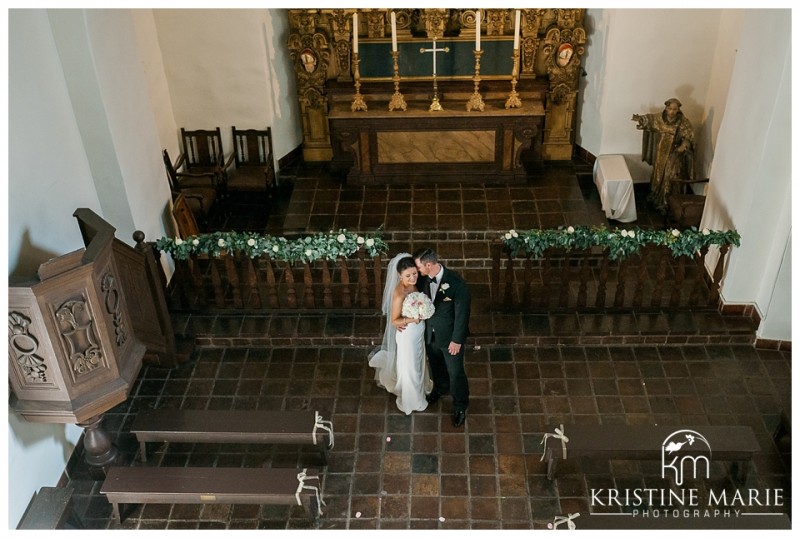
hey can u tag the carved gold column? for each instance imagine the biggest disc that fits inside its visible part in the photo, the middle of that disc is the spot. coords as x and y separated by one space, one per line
309 51
563 49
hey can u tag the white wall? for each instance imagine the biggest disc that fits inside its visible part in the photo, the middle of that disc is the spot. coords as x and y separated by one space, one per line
49 178
230 67
47 164
635 60
750 186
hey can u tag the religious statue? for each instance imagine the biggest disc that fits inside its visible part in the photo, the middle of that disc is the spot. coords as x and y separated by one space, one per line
667 145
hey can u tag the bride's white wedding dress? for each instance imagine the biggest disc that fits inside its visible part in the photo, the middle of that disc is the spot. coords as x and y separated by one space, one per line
401 366
406 373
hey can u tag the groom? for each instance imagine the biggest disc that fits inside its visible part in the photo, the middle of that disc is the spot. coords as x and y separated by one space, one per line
446 331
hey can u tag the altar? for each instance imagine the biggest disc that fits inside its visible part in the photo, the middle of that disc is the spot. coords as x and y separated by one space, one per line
452 145
370 82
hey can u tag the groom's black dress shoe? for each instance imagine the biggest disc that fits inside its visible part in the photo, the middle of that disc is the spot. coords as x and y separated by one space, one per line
433 397
459 417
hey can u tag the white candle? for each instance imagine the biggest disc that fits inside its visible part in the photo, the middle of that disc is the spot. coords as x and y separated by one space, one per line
434 57
478 30
516 31
355 33
394 33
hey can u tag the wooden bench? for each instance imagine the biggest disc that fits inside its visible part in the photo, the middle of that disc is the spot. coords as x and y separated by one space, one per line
617 521
644 442
213 485
50 508
268 427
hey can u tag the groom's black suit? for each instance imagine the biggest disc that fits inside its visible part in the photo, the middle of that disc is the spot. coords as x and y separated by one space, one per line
449 323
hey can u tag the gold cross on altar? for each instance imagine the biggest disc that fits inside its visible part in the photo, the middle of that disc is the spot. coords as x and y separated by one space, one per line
435 106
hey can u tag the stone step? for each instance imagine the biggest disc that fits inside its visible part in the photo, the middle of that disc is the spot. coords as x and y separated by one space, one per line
323 329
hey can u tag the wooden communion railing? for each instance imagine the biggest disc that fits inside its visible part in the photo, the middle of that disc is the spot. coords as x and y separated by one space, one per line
586 279
238 282
655 271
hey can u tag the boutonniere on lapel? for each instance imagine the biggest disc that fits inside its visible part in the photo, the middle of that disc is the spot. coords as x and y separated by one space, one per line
444 287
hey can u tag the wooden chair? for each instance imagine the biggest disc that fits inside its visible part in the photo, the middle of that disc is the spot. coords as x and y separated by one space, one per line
684 208
254 164
203 154
199 189
184 217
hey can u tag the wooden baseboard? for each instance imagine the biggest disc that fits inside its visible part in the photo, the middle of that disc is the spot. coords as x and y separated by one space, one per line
585 155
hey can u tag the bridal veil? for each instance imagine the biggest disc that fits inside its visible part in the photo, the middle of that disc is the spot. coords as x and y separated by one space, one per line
384 358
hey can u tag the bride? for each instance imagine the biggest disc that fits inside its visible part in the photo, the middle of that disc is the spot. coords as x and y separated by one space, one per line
401 366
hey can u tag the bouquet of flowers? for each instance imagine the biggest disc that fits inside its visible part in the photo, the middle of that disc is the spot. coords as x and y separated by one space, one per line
417 305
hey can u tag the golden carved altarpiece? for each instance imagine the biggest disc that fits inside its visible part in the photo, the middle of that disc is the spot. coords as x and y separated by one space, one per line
321 47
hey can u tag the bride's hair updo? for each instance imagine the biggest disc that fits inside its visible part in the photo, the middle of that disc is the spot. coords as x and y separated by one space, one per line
405 263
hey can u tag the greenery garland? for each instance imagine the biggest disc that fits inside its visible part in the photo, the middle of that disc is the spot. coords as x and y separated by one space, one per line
320 246
620 243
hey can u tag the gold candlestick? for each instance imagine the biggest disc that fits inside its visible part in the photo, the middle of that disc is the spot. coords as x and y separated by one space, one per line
513 100
397 101
476 101
358 99
436 106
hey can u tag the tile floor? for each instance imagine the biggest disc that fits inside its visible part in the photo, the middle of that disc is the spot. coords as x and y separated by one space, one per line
392 471
527 374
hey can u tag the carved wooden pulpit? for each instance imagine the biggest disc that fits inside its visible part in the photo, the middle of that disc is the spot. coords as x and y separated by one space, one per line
77 337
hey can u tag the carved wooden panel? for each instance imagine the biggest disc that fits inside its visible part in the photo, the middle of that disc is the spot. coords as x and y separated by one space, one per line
74 352
436 146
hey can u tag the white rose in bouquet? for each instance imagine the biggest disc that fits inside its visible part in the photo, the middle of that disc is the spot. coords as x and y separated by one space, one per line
417 305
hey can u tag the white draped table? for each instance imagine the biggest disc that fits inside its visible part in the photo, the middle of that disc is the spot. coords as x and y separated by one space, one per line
615 185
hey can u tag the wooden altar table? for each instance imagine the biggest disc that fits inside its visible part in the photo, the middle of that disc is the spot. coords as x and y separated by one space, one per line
418 146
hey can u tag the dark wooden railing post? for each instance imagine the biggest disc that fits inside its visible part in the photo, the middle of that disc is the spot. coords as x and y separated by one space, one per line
641 277
345 278
619 296
232 272
216 280
327 292
680 273
544 300
377 272
661 277
252 296
700 285
272 288
308 284
584 279
528 282
363 282
156 282
713 293
291 293
563 297
600 298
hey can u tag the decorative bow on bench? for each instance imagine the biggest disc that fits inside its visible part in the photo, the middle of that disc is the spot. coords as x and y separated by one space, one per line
301 485
564 519
558 435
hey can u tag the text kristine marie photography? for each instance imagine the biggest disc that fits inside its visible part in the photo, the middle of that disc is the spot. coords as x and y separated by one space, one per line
687 455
